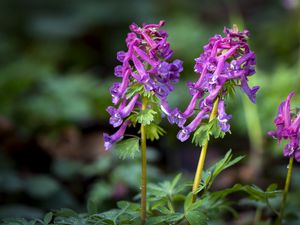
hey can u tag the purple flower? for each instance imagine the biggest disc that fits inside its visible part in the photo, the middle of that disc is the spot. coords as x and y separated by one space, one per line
146 61
250 92
287 128
224 59
184 134
223 117
117 116
110 139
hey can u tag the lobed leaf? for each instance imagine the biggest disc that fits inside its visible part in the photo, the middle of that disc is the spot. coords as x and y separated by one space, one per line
128 148
146 116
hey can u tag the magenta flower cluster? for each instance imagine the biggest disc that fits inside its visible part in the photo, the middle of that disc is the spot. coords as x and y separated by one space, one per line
224 59
288 128
146 62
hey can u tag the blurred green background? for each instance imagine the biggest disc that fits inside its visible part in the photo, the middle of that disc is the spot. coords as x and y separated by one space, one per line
56 66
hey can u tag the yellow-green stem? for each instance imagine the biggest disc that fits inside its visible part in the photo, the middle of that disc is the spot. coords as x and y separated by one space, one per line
143 168
200 166
286 190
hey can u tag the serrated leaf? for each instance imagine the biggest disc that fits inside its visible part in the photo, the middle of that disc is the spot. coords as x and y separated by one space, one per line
162 194
133 119
196 217
48 218
169 219
153 131
201 135
128 148
134 89
215 130
146 116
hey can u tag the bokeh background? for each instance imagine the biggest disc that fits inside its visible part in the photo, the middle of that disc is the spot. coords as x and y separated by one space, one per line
56 65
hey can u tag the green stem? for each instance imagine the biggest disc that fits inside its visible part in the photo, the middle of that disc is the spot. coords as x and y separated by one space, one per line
286 189
200 166
143 168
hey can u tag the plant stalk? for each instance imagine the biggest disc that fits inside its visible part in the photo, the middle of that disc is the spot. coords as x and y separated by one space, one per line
286 190
143 168
200 166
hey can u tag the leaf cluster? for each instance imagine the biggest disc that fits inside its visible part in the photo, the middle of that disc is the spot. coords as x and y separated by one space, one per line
203 133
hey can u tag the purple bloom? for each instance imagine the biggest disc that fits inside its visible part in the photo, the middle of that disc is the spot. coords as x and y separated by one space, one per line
223 117
110 139
288 128
184 134
117 116
146 60
250 92
224 59
145 63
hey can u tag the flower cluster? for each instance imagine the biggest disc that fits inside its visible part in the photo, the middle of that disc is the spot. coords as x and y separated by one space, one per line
146 63
226 61
288 128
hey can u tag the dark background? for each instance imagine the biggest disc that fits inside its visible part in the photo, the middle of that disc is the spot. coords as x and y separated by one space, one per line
56 66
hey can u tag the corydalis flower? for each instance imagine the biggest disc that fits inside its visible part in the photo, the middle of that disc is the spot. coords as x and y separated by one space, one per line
288 128
145 63
226 62
110 139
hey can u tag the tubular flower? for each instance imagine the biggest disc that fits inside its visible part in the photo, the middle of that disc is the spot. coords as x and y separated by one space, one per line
287 128
146 62
226 62
144 66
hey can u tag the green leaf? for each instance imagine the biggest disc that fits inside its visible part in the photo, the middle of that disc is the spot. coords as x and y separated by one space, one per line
128 148
216 199
196 217
216 131
188 201
153 131
146 116
230 88
48 218
169 219
210 175
133 89
161 196
201 135
133 118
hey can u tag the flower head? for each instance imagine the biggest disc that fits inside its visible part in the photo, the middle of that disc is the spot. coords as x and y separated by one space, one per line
226 62
288 128
146 62
145 67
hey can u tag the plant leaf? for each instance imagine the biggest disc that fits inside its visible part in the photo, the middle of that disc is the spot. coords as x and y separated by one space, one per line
153 131
48 218
196 217
146 116
128 148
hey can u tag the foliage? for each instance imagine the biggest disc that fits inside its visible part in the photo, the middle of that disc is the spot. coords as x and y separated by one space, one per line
203 133
128 148
169 202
